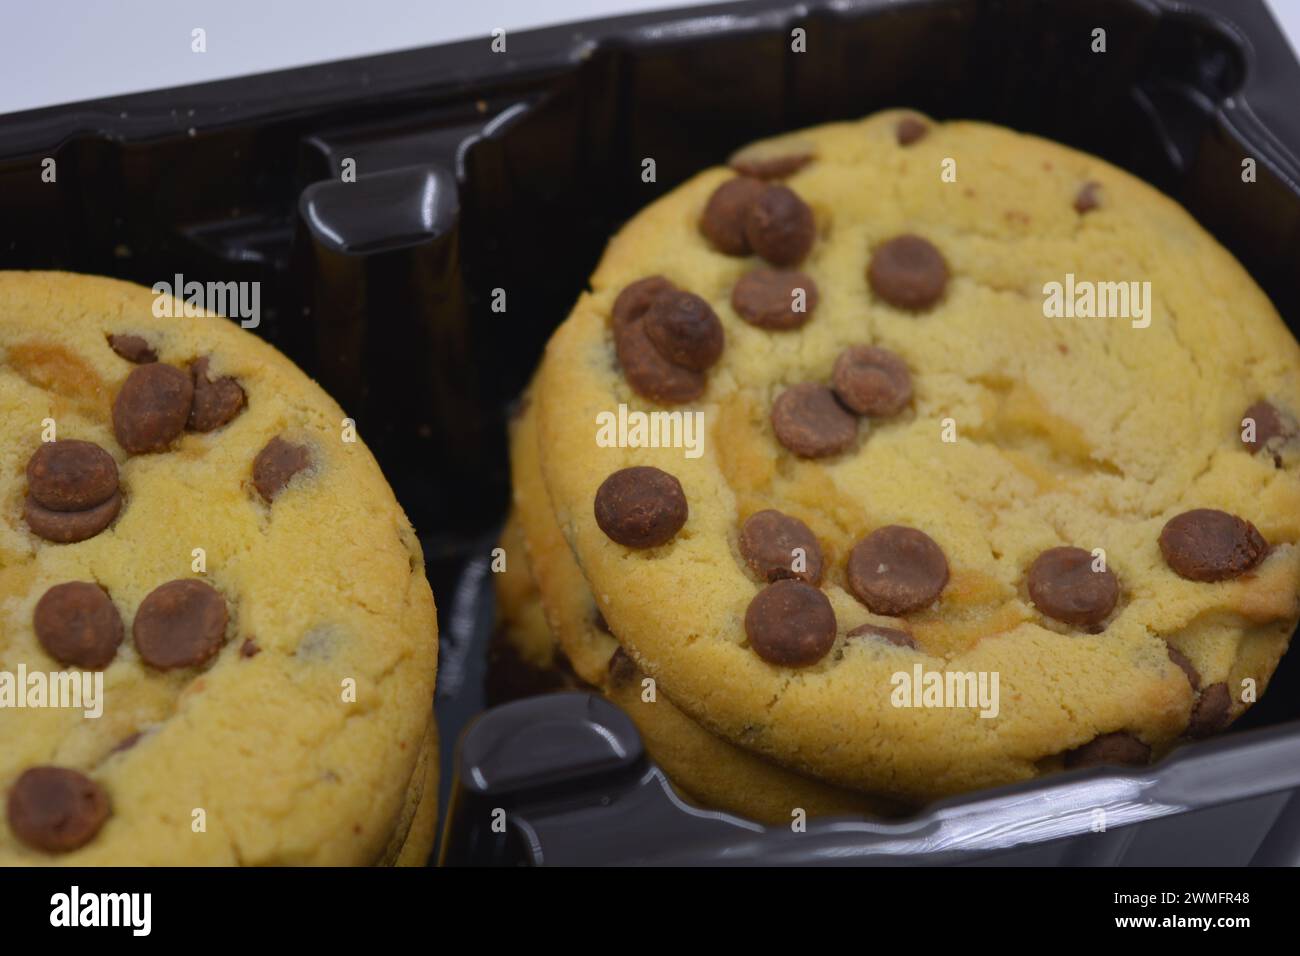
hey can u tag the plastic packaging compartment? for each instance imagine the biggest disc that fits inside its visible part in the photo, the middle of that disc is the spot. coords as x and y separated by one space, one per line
479 171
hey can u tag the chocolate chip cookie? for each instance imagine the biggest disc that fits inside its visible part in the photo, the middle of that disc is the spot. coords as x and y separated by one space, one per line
186 526
708 769
916 468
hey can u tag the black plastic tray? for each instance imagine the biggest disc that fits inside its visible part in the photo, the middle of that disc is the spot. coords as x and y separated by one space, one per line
480 171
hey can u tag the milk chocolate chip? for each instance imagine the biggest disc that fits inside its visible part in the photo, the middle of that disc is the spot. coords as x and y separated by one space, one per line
1212 711
622 669
897 570
216 401
78 625
133 348
1064 586
791 624
1107 749
1209 545
1272 428
872 381
774 299
810 422
180 624
908 272
55 809
768 541
152 408
891 634
276 464
68 527
640 507
1088 198
685 330
635 300
71 475
650 374
909 130
780 226
726 213
644 365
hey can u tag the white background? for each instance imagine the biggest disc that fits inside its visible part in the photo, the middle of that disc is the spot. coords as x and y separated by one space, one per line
60 51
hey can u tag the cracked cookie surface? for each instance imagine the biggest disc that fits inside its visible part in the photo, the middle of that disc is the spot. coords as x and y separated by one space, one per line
1022 434
323 584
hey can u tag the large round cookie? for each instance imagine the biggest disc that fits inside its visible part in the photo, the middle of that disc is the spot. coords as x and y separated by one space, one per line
275 708
710 770
1019 434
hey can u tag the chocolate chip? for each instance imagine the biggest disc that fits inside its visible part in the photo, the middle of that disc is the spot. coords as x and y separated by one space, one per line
640 507
650 374
1179 658
635 300
249 648
872 381
133 348
726 212
67 527
771 166
770 299
791 624
647 371
1212 711
1108 749
891 634
152 408
276 464
71 475
909 130
622 669
1088 198
1209 545
216 401
810 421
685 330
1272 428
180 624
72 491
908 272
780 226
78 625
767 543
897 570
56 809
1064 586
